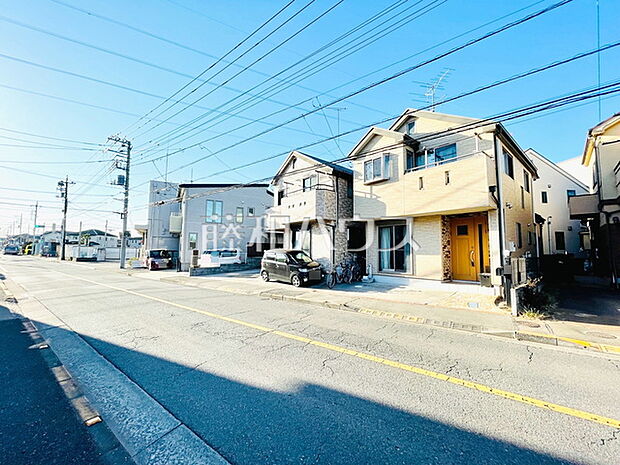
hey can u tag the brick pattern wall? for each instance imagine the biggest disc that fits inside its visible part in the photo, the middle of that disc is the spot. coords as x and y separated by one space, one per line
446 255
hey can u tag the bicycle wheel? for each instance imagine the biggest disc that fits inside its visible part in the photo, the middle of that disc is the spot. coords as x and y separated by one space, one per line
330 280
347 276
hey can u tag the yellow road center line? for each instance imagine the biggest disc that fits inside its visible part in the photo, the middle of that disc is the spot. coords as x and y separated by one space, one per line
383 361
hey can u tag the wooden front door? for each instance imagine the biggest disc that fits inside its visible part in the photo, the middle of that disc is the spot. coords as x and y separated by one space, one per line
469 247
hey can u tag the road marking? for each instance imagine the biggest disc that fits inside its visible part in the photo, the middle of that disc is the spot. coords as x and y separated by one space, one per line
380 360
579 342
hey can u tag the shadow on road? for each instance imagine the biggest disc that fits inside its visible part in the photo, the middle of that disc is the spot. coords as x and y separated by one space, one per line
307 423
587 305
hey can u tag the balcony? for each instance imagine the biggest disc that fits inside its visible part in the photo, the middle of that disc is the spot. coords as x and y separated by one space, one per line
315 203
583 206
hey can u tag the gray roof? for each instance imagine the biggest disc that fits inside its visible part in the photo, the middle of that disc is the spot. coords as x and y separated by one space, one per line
332 165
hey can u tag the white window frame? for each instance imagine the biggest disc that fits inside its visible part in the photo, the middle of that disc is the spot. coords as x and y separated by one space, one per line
385 169
239 214
312 183
214 217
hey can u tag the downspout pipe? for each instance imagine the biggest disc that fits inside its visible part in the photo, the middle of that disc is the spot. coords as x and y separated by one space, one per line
500 216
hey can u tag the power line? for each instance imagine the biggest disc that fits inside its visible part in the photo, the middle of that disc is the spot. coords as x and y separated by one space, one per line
239 44
45 162
297 75
385 67
107 83
382 81
296 33
49 137
612 88
34 173
113 53
466 94
44 192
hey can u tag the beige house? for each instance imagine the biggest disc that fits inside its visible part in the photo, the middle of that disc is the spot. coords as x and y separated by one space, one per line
309 196
600 209
444 198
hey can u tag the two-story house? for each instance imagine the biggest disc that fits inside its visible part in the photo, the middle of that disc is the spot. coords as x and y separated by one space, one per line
444 198
312 201
559 234
221 216
600 209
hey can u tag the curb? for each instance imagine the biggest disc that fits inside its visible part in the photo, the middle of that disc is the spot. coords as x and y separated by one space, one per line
512 334
112 451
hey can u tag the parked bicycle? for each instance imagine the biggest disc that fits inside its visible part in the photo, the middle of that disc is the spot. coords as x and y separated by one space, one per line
348 271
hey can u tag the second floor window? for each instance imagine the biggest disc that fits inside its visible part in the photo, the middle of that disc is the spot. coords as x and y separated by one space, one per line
239 215
519 236
409 160
214 211
509 168
377 169
308 183
571 193
543 195
445 153
526 181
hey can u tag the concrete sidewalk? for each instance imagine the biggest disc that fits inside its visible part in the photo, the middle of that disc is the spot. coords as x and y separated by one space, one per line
454 310
40 407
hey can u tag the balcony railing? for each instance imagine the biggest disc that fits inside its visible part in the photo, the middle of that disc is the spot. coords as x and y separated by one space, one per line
443 162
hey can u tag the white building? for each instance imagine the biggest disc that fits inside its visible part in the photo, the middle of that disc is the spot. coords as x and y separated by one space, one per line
552 190
159 233
216 216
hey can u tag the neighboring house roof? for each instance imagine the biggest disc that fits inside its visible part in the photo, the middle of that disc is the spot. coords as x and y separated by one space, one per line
534 154
596 131
429 114
311 159
375 131
95 232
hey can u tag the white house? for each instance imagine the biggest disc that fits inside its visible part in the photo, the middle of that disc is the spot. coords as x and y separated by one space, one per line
216 216
560 233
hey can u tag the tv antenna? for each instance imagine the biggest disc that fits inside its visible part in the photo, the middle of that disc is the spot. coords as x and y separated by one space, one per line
433 87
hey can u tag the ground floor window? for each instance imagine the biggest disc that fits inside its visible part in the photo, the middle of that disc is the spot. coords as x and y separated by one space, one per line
392 248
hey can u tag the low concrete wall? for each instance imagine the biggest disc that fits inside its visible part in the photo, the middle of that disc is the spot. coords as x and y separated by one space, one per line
252 264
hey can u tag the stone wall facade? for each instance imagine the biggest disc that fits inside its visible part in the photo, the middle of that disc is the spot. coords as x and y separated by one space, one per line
446 255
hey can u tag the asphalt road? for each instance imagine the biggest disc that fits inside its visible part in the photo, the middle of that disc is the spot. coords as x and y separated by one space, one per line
266 382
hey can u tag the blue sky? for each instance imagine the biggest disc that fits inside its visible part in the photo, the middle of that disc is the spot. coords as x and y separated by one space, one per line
211 28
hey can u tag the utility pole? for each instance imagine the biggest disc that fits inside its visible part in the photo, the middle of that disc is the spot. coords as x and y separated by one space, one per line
79 244
34 226
123 160
63 188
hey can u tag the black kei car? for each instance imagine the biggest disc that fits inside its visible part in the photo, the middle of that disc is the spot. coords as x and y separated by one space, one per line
291 266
